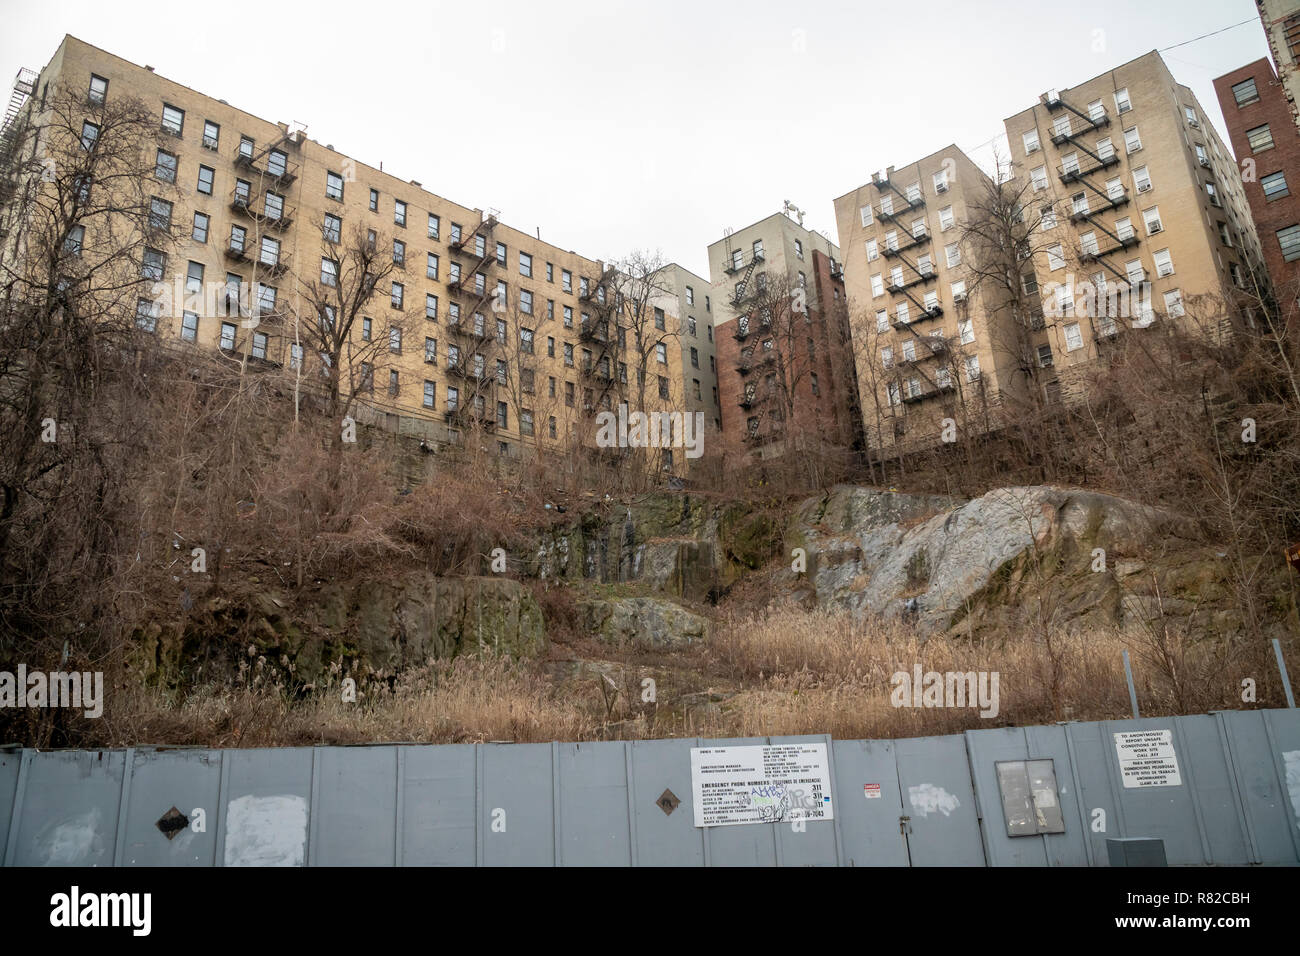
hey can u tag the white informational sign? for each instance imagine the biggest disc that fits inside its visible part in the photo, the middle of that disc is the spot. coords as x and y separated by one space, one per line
1147 758
760 784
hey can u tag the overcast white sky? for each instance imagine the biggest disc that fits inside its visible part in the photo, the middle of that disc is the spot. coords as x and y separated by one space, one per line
652 124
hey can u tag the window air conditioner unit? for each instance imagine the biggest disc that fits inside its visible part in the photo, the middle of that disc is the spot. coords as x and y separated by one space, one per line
1204 161
1194 124
959 297
1156 227
1144 187
1164 272
942 186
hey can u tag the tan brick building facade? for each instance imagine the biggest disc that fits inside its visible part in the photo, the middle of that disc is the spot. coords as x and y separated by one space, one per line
537 346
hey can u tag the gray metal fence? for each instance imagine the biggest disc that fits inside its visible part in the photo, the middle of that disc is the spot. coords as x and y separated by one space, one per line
1230 795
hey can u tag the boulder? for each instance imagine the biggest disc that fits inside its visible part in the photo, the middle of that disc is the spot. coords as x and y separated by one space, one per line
647 622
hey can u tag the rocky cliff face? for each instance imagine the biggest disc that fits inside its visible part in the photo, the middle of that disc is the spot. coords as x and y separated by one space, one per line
1013 554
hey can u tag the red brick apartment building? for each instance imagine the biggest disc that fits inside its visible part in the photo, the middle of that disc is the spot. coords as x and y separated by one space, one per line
1264 137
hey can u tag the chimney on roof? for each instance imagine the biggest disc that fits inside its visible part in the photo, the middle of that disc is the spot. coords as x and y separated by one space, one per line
149 68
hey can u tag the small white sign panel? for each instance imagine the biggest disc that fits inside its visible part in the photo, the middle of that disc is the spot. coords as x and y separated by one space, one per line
1147 758
760 784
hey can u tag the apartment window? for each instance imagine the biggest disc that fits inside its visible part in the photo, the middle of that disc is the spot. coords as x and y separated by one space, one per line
913 193
366 327
89 134
945 220
952 253
501 296
259 345
972 368
568 354
374 200
1079 204
76 237
1048 218
397 295
431 306
98 89
931 302
1105 149
399 212
1260 138
661 353
903 313
1055 257
455 233
865 213
295 355
877 285
190 327
924 264
152 264
199 233
526 341
246 147
1245 92
393 382
1031 141
663 387
895 398
164 166
1214 194
277 163
1088 243
160 214
1061 125
886 205
435 225
1096 111
568 393
1288 241
1174 302
430 394
1038 177
399 252
329 272
273 206
1151 219
1122 102
333 186
194 278
1133 269
873 250
453 398
896 277
266 296
568 316
1045 355
1132 141
1164 263
173 120
882 320
959 290
503 415
909 350
525 302
1073 337
395 339
965 331
227 335
1192 120
1274 185
566 280
525 264
1141 179
1124 228
332 230
238 235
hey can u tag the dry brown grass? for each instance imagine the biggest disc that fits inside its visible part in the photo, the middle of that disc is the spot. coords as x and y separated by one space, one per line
786 671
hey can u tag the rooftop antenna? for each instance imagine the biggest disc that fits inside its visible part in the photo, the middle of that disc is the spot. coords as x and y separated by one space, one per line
792 208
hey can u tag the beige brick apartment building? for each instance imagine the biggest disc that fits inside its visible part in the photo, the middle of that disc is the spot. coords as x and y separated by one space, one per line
489 329
924 337
1131 190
